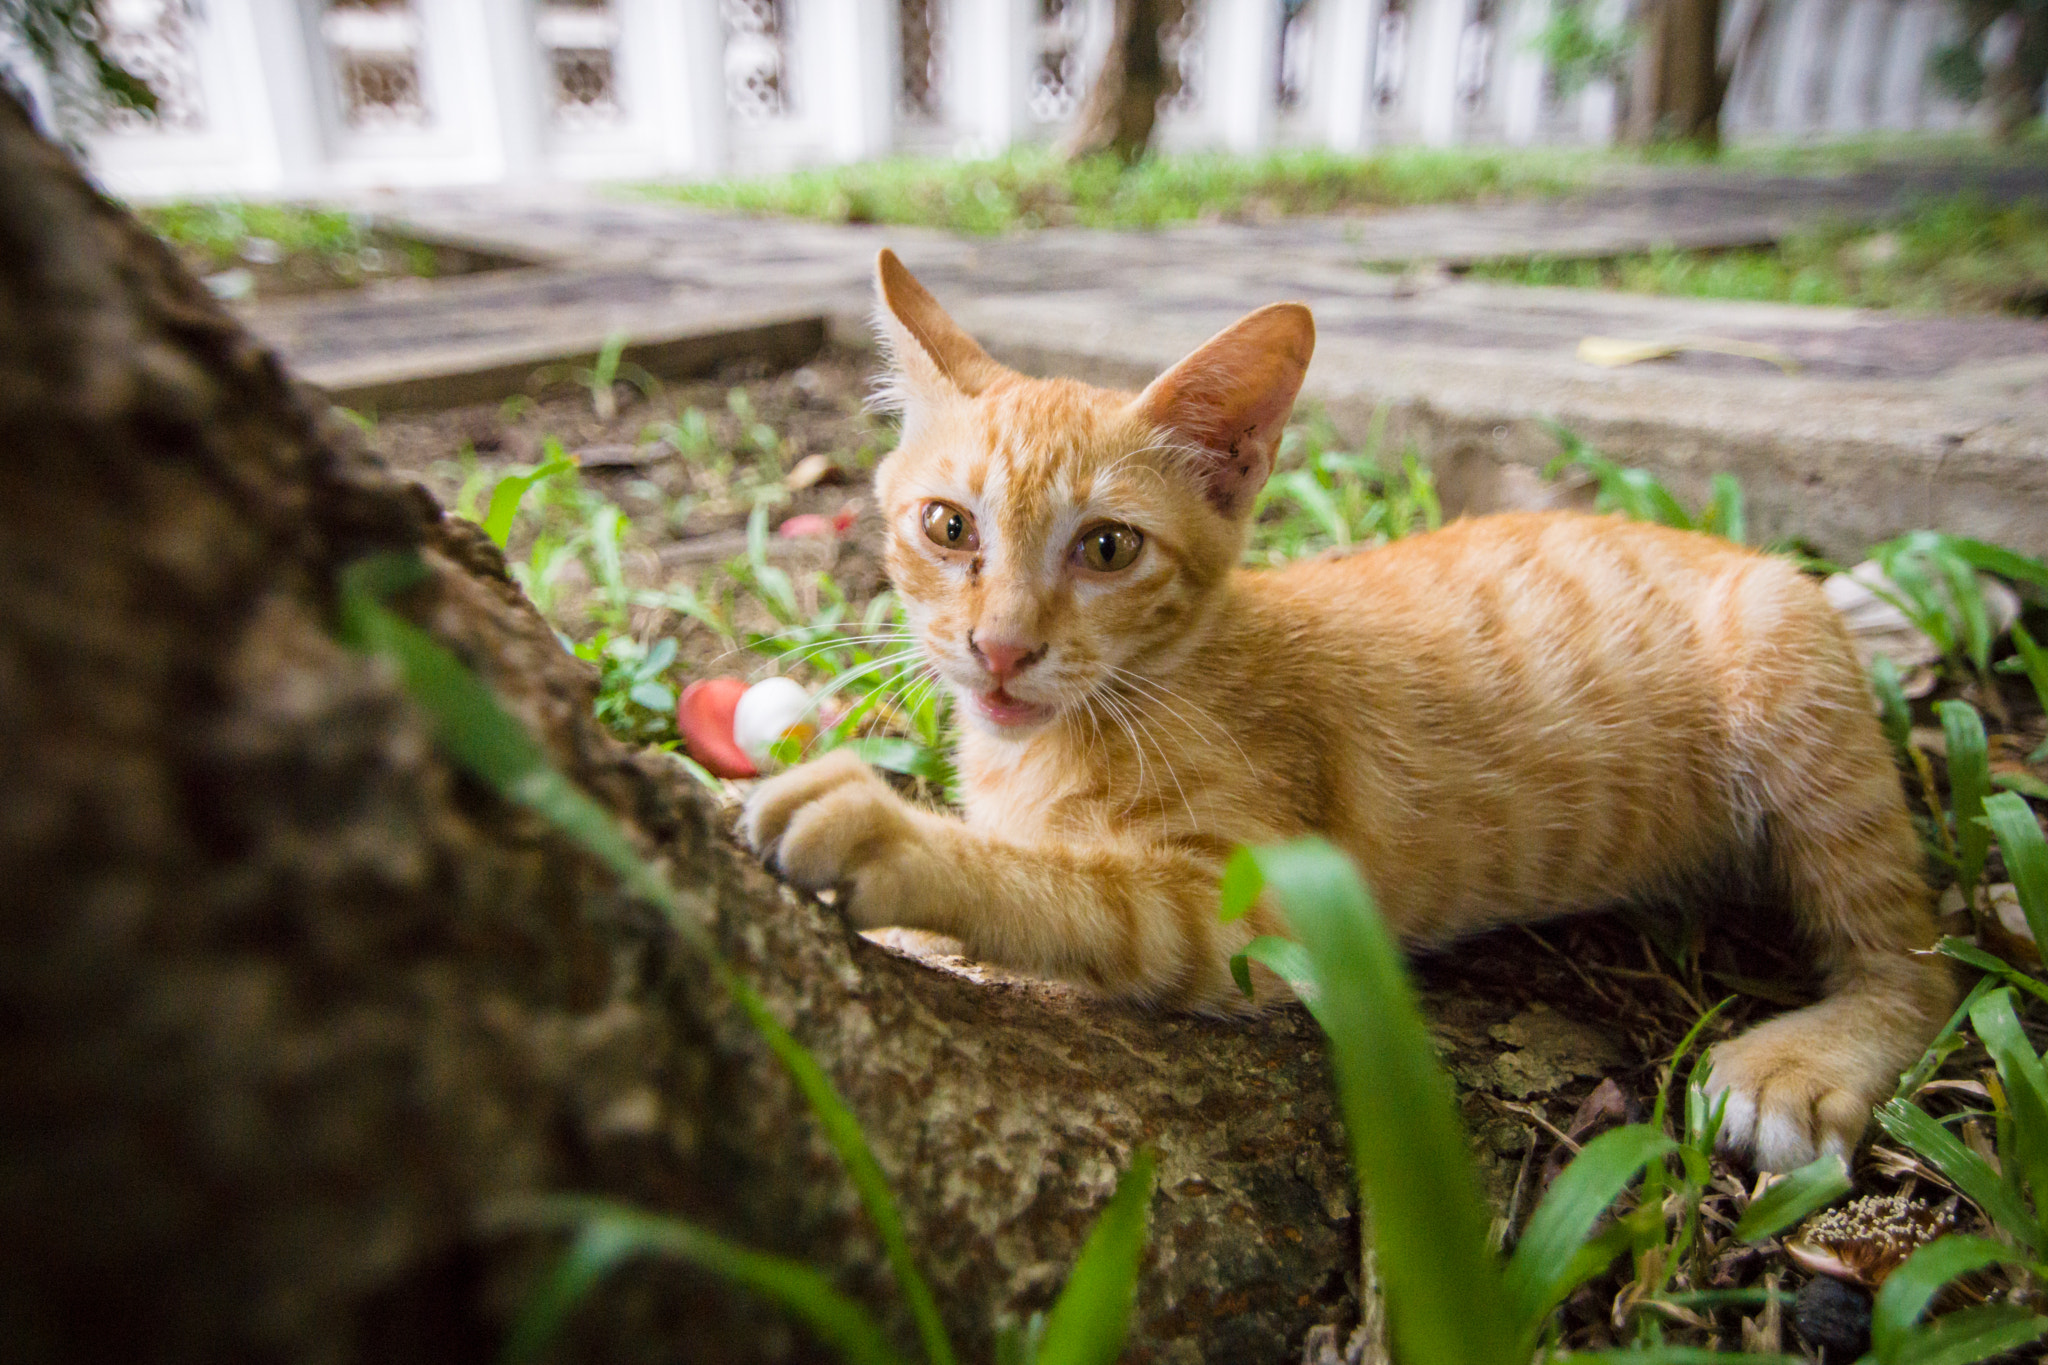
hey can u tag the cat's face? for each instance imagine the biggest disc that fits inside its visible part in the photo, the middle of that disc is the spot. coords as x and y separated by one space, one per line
1055 543
1045 543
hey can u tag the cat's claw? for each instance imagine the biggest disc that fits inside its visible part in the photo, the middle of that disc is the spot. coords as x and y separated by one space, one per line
832 823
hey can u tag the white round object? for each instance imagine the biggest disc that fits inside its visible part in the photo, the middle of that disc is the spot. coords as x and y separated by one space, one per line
767 712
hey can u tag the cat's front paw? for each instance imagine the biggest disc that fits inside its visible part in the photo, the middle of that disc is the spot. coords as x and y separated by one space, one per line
1797 1089
831 824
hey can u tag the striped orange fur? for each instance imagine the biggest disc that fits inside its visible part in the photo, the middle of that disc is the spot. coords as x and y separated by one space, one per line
1512 718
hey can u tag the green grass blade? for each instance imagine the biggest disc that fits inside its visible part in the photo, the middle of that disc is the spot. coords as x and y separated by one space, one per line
610 1233
1966 596
2026 856
1727 1298
2026 784
1680 1053
1962 950
843 1131
1968 1172
1443 1289
1969 782
1999 560
510 491
597 1250
895 755
1908 1290
1286 959
2034 659
1725 515
1544 1269
1313 498
1945 1042
1973 1334
1656 500
1088 1322
2026 1095
1812 1186
482 736
1241 885
1916 595
1679 1355
2019 1066
1703 1119
1892 708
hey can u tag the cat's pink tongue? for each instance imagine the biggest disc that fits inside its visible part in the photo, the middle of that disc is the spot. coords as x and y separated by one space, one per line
1004 709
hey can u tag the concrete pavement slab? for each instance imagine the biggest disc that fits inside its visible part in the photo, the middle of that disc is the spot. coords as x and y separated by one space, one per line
1878 423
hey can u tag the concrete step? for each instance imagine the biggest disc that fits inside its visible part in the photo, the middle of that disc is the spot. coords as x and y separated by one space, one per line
1879 423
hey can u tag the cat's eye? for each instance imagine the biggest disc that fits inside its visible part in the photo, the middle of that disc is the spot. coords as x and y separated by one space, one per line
949 528
1109 546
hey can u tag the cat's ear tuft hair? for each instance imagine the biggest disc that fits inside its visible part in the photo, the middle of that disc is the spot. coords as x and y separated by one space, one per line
1228 402
929 357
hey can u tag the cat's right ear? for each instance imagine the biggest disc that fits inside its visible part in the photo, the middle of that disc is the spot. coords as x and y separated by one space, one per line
929 356
1226 404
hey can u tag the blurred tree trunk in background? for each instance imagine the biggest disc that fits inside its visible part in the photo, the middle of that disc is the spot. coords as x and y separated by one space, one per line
2001 55
2015 84
1123 102
288 1003
1678 83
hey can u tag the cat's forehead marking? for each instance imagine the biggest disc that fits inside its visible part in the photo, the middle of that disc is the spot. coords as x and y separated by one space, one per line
1046 441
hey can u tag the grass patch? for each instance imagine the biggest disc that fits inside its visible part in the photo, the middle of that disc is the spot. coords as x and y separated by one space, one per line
1953 255
277 250
1864 151
1032 188
221 228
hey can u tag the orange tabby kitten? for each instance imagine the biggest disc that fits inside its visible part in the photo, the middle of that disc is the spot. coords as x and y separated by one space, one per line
1508 719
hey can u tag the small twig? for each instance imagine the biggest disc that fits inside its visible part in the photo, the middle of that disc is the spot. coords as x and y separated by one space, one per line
1650 956
1521 1181
1535 1116
1685 1317
1570 962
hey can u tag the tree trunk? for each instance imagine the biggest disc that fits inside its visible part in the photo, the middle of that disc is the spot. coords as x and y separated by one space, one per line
1123 103
1678 84
2017 70
289 1001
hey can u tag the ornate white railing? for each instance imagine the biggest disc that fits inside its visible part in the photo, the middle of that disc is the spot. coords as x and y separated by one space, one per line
289 97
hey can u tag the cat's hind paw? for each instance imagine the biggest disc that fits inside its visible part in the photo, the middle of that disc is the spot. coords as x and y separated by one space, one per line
831 823
1793 1096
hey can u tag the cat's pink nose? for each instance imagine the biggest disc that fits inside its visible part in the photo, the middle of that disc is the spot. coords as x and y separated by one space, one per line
1005 658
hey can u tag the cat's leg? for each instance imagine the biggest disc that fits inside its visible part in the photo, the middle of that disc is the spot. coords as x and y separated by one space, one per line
1845 854
1130 919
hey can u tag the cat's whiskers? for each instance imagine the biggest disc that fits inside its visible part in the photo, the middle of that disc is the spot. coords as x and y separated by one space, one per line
1134 723
899 691
803 652
778 635
1138 750
806 653
853 675
1159 692
910 700
1094 725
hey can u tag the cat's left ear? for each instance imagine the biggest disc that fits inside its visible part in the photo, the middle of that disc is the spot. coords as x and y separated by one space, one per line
931 357
1230 399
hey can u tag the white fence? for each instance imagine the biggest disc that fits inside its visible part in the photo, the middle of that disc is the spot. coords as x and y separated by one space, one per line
301 97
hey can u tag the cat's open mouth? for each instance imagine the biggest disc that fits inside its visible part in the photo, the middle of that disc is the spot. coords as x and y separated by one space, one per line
1006 712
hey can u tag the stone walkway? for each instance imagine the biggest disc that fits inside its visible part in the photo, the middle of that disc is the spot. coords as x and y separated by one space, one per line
1878 423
